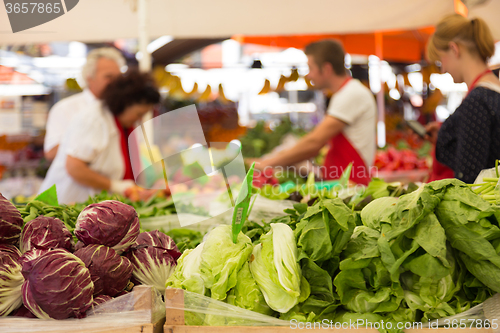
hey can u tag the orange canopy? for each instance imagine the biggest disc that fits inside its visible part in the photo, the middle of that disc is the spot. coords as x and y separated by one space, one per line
400 45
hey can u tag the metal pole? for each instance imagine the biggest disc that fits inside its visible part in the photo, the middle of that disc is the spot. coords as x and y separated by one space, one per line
381 136
145 60
142 18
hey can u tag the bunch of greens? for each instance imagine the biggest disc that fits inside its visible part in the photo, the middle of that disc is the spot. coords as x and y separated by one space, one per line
378 188
322 233
154 206
429 254
65 213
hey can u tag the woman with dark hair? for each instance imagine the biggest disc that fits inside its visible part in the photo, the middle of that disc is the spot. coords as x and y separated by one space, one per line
94 153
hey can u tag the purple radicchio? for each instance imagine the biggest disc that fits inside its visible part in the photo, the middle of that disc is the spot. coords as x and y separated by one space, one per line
154 256
11 222
110 272
31 255
105 223
57 285
46 233
130 237
11 280
23 312
101 299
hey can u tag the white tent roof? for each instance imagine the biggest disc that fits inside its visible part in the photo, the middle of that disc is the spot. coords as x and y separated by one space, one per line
98 20
490 12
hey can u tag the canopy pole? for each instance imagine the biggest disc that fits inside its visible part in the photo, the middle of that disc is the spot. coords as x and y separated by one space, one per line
145 64
142 18
381 137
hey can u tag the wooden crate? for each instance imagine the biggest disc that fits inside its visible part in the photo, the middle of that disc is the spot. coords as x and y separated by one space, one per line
144 301
174 323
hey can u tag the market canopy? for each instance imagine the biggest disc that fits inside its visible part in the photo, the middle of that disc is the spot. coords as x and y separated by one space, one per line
404 45
398 45
97 20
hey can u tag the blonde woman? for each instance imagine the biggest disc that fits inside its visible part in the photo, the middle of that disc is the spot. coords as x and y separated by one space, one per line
469 140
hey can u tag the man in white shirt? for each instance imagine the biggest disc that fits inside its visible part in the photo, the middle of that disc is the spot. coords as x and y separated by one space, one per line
102 66
348 127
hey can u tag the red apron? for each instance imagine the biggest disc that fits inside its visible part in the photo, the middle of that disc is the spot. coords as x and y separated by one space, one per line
340 154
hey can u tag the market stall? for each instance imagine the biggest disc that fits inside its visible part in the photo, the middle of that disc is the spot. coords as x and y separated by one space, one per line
290 250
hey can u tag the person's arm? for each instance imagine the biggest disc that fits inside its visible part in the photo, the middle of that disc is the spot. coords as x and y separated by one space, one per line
51 154
432 130
308 146
84 175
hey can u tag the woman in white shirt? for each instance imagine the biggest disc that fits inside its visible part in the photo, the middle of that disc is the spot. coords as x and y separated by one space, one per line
94 153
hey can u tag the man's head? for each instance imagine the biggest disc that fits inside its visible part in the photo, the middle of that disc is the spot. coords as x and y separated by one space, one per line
325 60
103 65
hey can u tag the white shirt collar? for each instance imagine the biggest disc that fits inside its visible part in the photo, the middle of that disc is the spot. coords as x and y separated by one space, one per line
89 96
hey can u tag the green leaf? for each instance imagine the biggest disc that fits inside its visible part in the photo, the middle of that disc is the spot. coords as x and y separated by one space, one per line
49 196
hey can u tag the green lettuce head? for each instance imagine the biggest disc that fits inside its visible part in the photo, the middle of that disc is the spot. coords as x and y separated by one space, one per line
275 269
247 295
221 260
187 274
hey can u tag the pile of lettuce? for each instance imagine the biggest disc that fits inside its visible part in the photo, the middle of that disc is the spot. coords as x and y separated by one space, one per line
428 254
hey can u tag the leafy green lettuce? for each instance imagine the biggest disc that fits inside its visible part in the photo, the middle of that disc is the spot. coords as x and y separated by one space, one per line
324 231
187 273
246 294
221 260
275 269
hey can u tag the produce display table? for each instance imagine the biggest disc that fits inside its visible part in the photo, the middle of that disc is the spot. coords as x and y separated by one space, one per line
144 300
175 323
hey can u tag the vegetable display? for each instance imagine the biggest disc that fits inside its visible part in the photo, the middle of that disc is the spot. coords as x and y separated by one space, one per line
411 254
393 159
391 253
246 293
130 237
259 140
40 277
187 274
